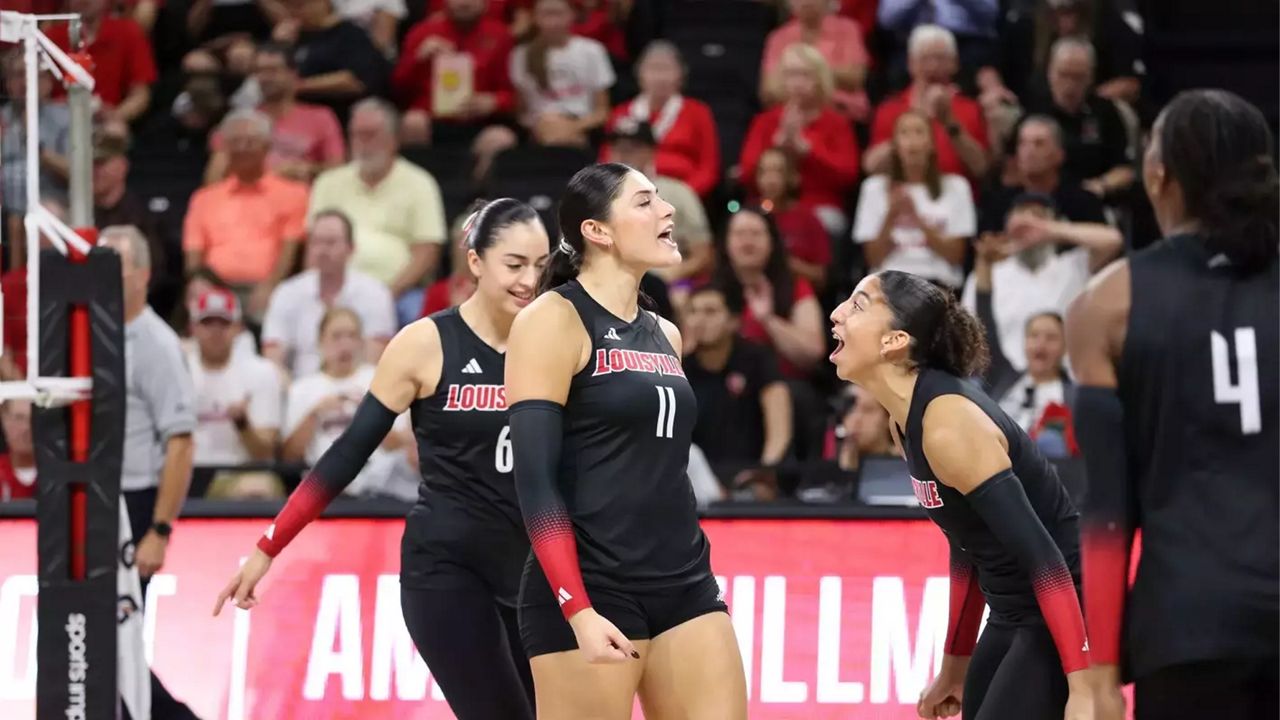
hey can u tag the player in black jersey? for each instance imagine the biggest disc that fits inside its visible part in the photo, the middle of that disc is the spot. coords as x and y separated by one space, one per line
1176 354
1008 519
464 544
620 598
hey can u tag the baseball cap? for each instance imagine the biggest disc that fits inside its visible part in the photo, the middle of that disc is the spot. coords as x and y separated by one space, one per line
634 130
216 303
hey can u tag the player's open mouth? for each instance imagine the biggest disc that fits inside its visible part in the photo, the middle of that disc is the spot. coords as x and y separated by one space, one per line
668 236
839 345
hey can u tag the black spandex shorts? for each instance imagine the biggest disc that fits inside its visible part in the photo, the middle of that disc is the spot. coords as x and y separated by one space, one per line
639 614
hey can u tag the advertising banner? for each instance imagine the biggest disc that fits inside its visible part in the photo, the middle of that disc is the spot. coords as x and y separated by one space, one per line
835 619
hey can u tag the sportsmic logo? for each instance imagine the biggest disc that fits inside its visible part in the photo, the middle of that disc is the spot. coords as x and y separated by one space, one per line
476 397
77 666
615 361
927 493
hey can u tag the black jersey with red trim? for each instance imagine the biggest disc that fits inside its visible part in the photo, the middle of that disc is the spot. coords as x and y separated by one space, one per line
628 424
1199 380
1007 587
467 500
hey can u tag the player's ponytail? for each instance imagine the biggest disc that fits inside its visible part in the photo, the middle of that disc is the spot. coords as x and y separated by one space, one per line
588 196
1218 148
944 335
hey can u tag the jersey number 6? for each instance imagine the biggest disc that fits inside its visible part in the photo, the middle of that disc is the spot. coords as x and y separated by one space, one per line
1245 390
502 458
666 411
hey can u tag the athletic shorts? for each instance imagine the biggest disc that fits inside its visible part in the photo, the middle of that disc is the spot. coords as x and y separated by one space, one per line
640 614
449 548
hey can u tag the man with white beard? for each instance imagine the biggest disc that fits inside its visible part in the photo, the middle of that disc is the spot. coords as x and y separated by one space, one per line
396 207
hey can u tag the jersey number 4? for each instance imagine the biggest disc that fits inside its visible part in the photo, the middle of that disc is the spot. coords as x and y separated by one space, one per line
666 411
1245 390
502 459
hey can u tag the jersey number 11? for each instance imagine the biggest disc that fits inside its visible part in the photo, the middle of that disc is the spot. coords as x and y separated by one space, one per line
1245 390
666 411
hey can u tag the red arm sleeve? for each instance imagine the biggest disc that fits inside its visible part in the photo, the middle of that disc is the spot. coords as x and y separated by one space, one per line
706 172
409 77
966 604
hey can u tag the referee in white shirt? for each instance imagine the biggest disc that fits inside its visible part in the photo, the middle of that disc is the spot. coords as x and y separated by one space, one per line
159 420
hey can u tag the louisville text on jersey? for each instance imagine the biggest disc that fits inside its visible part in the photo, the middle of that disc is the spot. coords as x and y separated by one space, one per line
927 493
463 398
615 361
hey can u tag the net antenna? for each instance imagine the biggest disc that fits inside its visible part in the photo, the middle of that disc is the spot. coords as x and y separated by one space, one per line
39 52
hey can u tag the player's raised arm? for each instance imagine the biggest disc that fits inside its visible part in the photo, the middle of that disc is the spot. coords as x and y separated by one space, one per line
1096 324
968 452
543 354
412 355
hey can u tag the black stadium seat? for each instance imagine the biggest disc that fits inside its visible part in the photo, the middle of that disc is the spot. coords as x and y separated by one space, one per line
536 175
451 167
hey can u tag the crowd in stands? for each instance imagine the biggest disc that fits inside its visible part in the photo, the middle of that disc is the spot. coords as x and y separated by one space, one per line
300 168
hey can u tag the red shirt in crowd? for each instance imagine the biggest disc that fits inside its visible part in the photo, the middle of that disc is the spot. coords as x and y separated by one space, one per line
501 10
830 168
14 286
804 234
12 488
488 43
445 293
751 328
967 112
121 54
864 12
690 148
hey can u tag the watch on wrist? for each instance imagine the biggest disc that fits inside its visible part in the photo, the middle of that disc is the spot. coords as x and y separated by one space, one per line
163 529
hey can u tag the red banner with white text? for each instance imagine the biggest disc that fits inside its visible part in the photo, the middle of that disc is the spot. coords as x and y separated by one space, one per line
835 619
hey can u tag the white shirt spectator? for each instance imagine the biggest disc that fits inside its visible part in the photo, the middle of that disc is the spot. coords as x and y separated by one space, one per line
951 213
244 377
384 468
294 312
575 72
243 346
1019 290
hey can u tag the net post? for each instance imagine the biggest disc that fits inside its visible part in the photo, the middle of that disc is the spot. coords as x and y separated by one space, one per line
80 152
80 362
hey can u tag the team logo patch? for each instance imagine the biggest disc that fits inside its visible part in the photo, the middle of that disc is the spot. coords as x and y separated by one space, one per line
463 398
616 361
926 493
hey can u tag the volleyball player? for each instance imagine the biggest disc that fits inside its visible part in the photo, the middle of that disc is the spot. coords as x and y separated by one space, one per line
620 598
1008 519
464 544
1175 351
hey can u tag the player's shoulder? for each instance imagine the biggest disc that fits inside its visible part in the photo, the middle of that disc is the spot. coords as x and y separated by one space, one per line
1106 295
550 310
415 341
959 438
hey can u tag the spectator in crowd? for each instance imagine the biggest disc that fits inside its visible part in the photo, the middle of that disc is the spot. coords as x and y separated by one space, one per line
1113 27
517 15
973 24
337 61
53 127
321 405
460 284
688 143
1095 139
959 127
18 462
632 142
115 204
781 310
379 18
807 241
123 68
202 281
143 12
744 407
290 331
197 109
862 432
214 23
806 126
838 38
238 397
245 485
248 226
395 206
159 419
562 80
453 78
914 218
305 139
1024 393
1045 263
